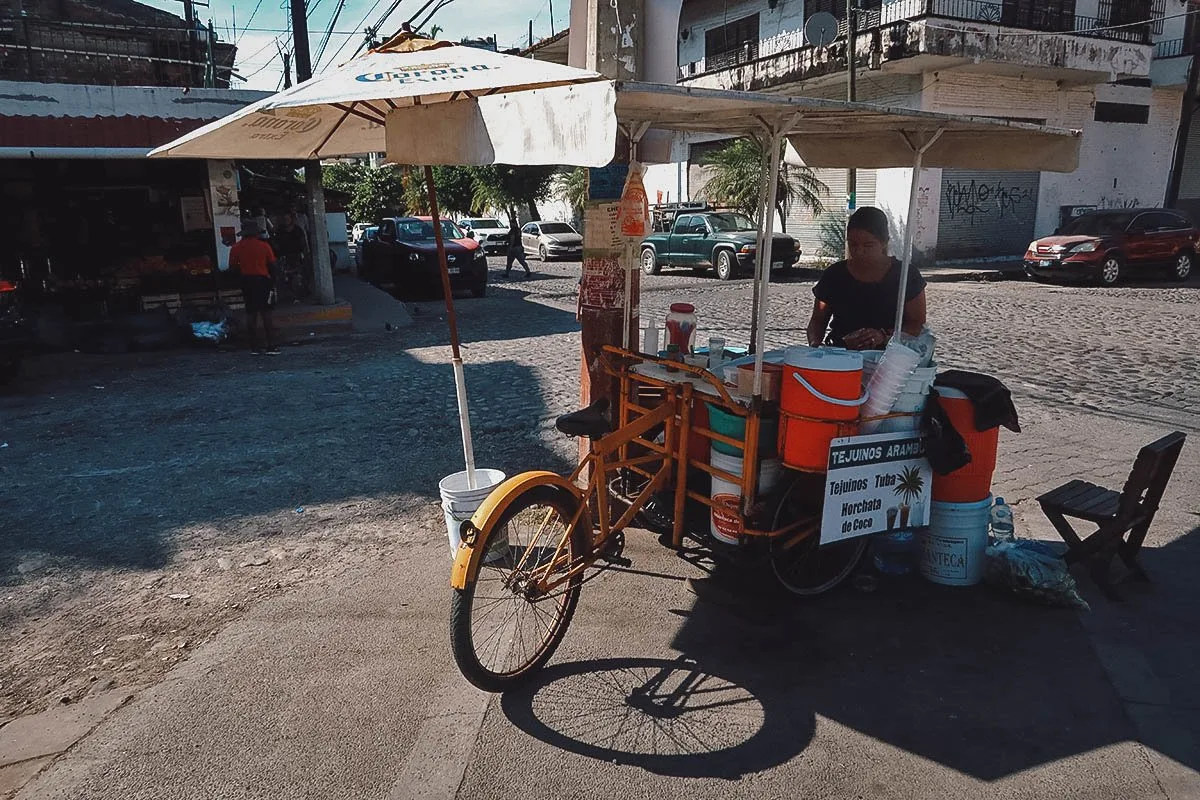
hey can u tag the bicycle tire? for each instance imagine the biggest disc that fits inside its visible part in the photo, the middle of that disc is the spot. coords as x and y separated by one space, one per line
463 603
808 569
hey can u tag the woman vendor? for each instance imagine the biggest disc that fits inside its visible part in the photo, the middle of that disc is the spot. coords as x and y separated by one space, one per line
856 299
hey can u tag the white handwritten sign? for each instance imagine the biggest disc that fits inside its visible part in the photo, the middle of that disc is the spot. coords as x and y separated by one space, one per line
875 484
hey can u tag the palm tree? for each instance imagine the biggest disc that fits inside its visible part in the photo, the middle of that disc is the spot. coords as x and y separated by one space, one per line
908 487
572 184
736 174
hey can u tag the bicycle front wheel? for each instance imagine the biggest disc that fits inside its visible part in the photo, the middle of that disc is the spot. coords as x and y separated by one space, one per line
502 628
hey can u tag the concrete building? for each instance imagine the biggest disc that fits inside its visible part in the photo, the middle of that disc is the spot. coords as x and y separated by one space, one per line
1116 69
109 42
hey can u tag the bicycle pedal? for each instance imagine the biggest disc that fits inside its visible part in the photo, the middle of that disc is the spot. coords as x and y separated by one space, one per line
616 560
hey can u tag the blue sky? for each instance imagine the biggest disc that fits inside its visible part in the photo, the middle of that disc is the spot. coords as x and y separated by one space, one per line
257 30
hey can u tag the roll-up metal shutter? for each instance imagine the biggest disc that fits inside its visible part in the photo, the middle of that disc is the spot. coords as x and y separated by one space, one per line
986 213
805 228
1189 182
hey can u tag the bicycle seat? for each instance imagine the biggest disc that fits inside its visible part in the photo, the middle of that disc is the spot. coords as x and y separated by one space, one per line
589 422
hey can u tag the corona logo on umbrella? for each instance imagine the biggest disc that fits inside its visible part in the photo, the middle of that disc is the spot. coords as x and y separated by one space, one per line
425 73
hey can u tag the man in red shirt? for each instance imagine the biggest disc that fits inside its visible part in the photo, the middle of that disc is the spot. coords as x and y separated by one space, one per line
255 260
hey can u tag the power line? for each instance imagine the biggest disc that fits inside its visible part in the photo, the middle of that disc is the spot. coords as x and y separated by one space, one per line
328 33
360 25
253 13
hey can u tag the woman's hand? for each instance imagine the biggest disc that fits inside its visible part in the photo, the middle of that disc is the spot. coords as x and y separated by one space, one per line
866 339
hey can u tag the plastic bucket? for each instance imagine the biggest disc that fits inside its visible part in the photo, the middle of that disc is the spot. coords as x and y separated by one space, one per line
726 519
973 482
459 501
952 547
820 400
731 425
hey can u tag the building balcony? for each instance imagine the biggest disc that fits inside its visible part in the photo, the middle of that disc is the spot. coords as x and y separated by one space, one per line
917 36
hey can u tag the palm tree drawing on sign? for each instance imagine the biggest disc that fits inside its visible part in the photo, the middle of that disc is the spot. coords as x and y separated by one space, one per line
909 485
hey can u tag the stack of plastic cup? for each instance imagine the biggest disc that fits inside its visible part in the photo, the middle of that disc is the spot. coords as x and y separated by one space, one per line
894 370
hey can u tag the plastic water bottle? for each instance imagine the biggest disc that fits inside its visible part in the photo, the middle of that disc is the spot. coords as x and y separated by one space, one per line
1003 529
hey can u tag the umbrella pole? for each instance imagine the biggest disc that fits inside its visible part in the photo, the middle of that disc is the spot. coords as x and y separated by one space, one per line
765 256
460 381
910 230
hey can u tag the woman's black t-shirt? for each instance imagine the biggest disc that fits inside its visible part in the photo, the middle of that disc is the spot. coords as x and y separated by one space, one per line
858 305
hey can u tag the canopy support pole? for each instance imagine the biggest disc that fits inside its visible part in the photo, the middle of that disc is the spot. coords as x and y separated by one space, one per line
763 278
910 229
764 168
629 249
460 380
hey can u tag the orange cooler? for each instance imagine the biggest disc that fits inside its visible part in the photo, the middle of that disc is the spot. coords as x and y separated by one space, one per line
972 483
819 401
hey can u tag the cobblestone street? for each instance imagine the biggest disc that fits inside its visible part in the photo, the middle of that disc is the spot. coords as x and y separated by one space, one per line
152 501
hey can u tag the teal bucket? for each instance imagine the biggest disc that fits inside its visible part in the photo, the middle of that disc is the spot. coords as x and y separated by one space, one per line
731 425
952 547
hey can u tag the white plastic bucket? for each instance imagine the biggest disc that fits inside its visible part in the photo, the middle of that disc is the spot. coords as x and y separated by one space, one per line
459 501
726 526
952 547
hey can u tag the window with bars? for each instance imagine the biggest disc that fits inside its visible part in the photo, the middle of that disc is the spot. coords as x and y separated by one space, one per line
732 43
1131 12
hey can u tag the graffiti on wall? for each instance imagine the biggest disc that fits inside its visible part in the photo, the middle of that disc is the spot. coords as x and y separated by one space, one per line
987 202
1119 203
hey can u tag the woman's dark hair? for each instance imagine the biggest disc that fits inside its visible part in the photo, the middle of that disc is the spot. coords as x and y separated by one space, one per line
870 220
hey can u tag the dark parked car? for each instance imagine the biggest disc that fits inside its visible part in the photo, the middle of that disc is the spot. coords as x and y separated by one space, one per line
1108 245
726 241
403 255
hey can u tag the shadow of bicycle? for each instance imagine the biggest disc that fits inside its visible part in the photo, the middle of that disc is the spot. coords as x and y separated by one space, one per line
668 717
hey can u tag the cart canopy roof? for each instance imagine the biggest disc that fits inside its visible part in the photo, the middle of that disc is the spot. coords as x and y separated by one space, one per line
833 133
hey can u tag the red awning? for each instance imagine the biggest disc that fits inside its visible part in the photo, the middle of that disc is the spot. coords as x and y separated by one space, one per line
132 132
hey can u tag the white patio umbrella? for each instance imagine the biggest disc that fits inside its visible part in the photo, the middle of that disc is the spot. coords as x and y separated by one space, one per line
463 92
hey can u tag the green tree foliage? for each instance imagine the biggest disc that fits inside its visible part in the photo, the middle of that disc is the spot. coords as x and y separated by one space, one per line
374 193
736 172
572 184
505 186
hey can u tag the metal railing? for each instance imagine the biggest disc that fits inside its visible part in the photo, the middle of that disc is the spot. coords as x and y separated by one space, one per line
1169 48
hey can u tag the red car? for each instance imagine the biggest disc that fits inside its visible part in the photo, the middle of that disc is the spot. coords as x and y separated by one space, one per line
1108 245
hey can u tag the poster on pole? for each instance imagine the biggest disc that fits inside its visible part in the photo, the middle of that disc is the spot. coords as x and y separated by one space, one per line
876 483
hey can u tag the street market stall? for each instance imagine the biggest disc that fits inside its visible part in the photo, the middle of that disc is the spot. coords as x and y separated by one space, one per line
846 458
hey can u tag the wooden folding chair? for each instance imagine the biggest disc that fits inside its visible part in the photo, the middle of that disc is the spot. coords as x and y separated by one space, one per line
1115 514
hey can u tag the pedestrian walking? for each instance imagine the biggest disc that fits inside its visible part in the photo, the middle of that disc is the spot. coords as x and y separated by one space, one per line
516 249
254 259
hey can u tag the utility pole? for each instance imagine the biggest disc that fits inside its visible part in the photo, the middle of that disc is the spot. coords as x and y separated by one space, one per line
318 227
189 16
286 57
210 63
551 17
531 33
851 95
613 45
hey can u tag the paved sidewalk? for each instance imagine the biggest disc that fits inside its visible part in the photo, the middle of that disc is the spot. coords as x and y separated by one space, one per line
912 691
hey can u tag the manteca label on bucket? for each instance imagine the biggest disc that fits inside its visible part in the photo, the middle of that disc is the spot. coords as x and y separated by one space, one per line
727 522
875 484
944 557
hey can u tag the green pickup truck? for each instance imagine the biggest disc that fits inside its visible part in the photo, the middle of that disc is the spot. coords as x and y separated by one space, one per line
723 240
